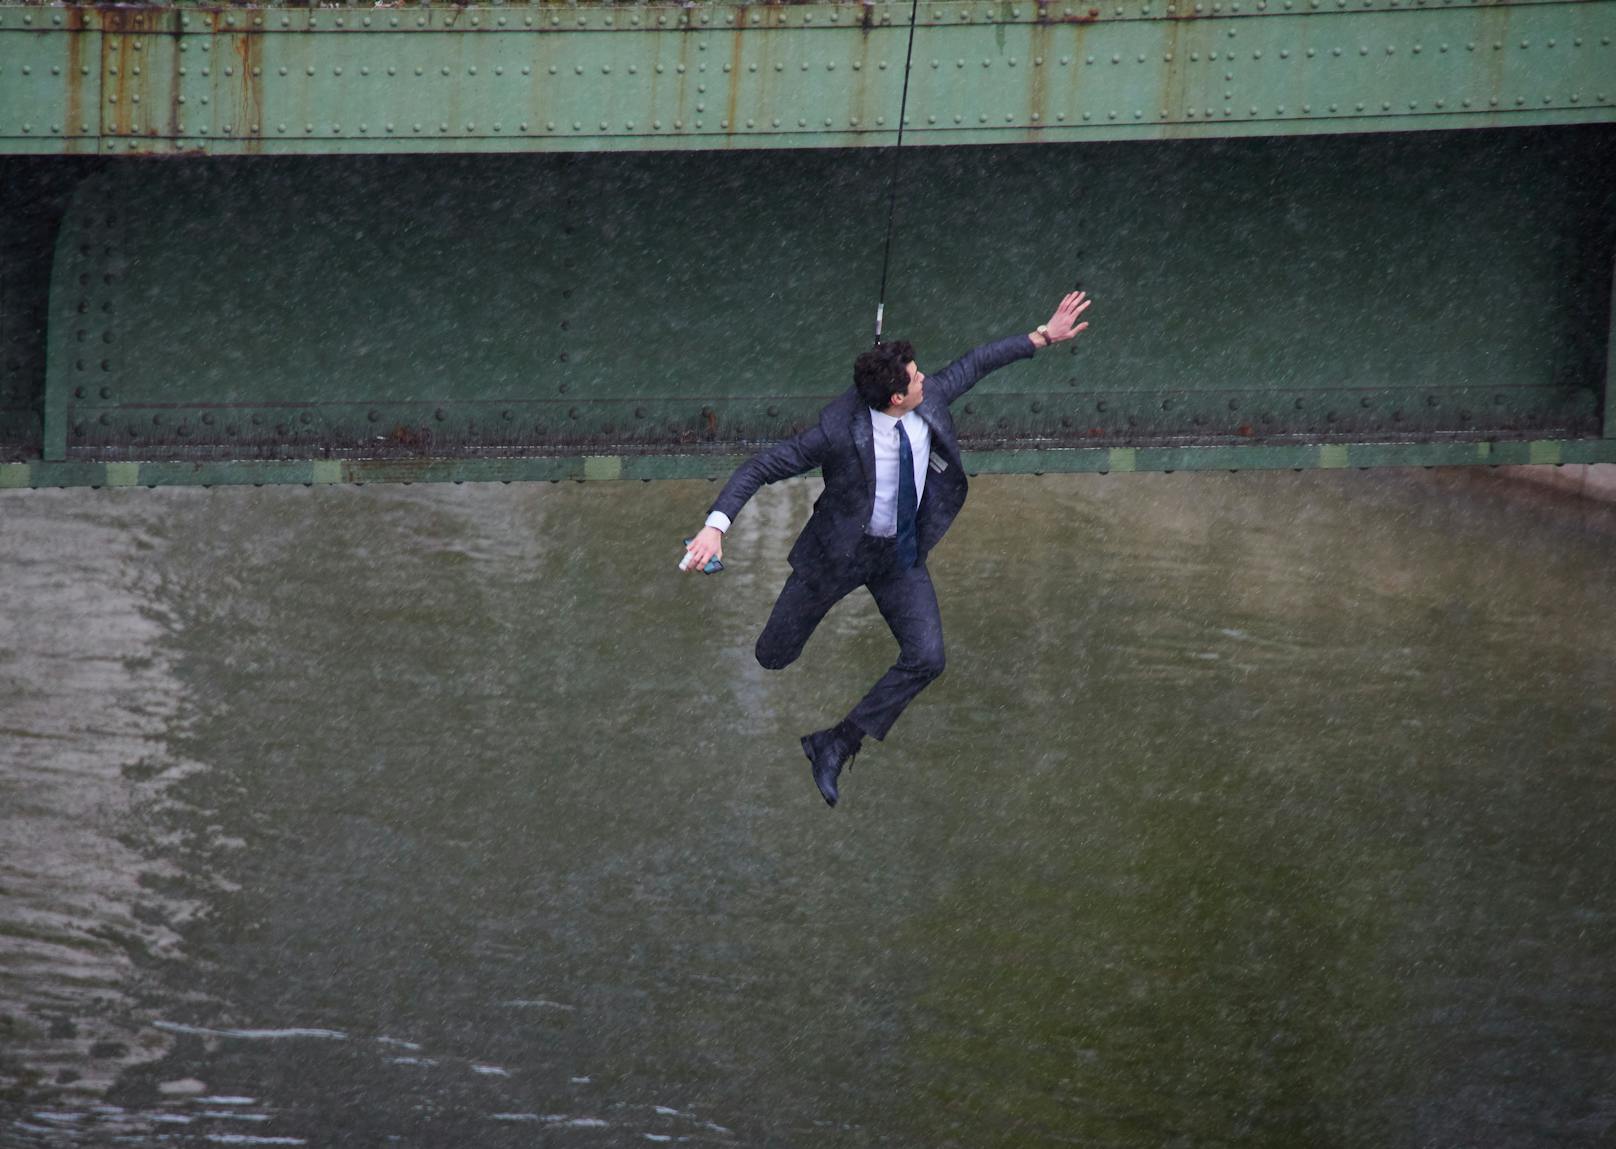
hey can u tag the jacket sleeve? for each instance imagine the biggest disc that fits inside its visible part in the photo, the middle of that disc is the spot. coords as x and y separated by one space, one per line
794 456
962 374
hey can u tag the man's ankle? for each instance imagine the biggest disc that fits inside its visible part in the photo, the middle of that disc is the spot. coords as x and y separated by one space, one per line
848 733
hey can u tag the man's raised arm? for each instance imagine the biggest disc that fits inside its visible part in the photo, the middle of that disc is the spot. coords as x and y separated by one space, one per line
965 372
794 456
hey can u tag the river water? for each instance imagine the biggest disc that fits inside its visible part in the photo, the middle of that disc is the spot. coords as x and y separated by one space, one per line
1270 809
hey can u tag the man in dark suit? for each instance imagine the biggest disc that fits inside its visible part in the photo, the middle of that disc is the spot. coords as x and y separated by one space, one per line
893 484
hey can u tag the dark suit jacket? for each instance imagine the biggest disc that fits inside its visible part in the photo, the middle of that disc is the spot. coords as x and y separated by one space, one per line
842 445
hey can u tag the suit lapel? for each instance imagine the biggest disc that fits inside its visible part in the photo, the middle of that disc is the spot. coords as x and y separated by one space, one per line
928 411
942 428
864 443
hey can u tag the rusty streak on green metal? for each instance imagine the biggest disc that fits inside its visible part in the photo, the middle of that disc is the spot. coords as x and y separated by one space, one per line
550 77
712 467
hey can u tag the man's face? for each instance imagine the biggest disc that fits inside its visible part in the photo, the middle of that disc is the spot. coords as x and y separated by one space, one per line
903 404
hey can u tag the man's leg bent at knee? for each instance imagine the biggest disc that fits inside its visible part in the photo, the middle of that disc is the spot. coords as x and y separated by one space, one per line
797 613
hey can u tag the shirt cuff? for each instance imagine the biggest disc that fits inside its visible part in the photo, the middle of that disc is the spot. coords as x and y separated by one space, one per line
720 520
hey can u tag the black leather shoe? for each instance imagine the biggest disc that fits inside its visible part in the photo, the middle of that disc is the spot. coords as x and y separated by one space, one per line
827 755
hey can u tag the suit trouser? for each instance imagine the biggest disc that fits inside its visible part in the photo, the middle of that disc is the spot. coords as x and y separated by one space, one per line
906 600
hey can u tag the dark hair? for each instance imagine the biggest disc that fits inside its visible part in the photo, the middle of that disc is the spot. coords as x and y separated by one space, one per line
880 373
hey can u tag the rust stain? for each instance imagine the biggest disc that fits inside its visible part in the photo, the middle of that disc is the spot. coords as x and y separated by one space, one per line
249 49
127 108
405 436
174 88
75 62
860 104
1037 94
1174 77
732 98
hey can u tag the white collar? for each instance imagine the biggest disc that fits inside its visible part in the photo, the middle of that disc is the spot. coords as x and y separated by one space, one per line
884 421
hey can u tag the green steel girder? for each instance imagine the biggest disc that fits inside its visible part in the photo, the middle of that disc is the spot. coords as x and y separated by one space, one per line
550 77
260 472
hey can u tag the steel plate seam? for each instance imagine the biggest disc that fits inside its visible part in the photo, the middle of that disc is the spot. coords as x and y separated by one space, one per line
712 467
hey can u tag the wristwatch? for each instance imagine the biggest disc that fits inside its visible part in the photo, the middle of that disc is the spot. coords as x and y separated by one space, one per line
1043 329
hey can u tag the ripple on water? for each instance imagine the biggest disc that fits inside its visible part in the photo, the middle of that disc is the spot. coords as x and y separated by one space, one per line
91 701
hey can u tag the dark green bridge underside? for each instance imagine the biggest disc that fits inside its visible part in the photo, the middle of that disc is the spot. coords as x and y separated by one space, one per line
1386 300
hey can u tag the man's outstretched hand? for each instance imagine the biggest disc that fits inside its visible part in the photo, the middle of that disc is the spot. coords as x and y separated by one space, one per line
707 545
1063 325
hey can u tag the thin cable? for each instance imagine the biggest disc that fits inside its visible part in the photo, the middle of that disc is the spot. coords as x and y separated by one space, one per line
892 204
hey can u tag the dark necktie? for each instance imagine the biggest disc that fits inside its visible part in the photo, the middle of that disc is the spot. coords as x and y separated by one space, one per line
906 501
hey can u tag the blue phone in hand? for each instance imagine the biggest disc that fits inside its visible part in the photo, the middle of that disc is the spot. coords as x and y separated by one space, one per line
713 565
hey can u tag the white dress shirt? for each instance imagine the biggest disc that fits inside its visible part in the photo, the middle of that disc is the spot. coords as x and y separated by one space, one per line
884 522
885 429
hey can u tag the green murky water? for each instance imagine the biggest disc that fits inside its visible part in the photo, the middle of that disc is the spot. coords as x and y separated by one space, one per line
1261 809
